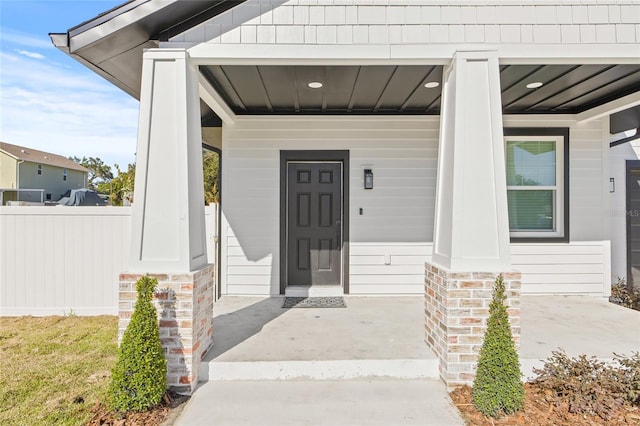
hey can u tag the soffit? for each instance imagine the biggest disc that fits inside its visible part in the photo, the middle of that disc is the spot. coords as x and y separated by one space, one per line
112 43
385 89
269 89
566 89
625 120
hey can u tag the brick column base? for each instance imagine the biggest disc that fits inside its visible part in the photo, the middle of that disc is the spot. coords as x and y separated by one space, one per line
185 312
456 313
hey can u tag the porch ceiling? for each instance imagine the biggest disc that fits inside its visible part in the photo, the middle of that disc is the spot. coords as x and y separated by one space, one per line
369 89
269 89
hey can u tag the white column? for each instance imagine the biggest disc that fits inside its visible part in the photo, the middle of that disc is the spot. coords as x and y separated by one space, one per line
471 224
168 234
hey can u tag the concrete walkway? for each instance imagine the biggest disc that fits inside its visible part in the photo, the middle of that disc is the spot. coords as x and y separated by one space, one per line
321 402
367 364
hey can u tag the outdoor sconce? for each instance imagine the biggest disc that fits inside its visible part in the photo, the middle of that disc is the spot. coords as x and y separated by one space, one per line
612 185
368 179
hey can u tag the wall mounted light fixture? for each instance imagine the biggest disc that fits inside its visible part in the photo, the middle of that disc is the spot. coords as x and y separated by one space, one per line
612 185
368 179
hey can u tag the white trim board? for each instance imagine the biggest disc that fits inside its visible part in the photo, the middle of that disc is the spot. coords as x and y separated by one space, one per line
407 54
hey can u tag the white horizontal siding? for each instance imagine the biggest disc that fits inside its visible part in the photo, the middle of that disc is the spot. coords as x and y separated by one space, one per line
581 266
561 268
392 239
588 174
404 273
397 217
423 21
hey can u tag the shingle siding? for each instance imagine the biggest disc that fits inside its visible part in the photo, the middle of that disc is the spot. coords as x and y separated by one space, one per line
396 22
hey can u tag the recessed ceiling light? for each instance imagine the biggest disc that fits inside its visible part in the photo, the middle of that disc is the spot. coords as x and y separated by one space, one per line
534 85
315 85
432 85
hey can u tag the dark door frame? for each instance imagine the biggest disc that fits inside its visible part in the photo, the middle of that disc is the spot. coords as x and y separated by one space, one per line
631 164
314 155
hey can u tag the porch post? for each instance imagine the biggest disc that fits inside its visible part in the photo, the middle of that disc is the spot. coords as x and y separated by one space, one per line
471 234
168 230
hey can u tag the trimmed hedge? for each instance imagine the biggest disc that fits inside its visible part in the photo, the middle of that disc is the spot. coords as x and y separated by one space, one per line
498 388
138 381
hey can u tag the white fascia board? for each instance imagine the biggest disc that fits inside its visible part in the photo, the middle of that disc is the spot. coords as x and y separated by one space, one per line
609 108
335 118
282 54
525 54
520 120
567 54
212 98
409 54
166 53
59 40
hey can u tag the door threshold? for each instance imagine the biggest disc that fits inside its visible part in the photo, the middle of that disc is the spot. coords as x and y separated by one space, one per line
313 291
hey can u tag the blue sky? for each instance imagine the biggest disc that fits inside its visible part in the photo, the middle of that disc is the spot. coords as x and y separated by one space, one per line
50 102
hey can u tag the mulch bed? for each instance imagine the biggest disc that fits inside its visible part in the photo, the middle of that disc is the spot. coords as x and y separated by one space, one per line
537 411
102 416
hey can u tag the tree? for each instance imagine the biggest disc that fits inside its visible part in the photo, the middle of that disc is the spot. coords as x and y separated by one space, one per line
138 380
210 165
99 172
120 187
498 387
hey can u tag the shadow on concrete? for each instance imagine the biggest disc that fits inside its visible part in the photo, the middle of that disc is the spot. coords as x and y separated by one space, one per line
240 323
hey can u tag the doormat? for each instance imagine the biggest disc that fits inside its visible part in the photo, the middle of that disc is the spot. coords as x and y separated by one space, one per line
314 302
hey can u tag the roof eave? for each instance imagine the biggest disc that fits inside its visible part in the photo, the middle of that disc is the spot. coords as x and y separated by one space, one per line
111 44
60 41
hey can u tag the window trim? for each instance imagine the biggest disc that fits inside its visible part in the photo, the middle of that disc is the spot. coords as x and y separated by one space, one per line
562 206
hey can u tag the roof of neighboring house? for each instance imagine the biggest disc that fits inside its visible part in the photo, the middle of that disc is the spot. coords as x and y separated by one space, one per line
40 157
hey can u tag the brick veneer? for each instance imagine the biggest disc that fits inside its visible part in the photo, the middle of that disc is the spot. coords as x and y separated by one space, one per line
456 312
185 312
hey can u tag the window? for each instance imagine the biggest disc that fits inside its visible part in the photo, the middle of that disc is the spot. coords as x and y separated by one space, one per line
48 197
537 163
39 169
64 174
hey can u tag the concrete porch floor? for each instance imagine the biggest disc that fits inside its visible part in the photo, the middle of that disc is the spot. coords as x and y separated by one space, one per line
255 338
377 344
383 336
578 325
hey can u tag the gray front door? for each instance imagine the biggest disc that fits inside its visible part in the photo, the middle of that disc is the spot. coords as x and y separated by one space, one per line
314 223
633 223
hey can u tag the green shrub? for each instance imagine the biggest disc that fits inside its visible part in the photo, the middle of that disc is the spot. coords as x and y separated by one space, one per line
625 295
498 388
138 381
589 386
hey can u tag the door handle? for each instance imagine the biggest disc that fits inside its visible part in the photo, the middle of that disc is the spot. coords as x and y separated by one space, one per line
338 240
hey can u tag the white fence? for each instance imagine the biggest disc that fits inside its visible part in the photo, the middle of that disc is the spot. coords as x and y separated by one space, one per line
66 260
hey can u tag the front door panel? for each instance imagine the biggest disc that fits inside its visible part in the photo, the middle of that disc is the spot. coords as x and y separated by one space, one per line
314 223
633 226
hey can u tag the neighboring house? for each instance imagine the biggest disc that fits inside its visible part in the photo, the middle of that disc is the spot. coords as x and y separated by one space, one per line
39 176
361 139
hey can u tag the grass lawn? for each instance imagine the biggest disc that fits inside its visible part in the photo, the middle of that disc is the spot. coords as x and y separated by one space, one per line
53 370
